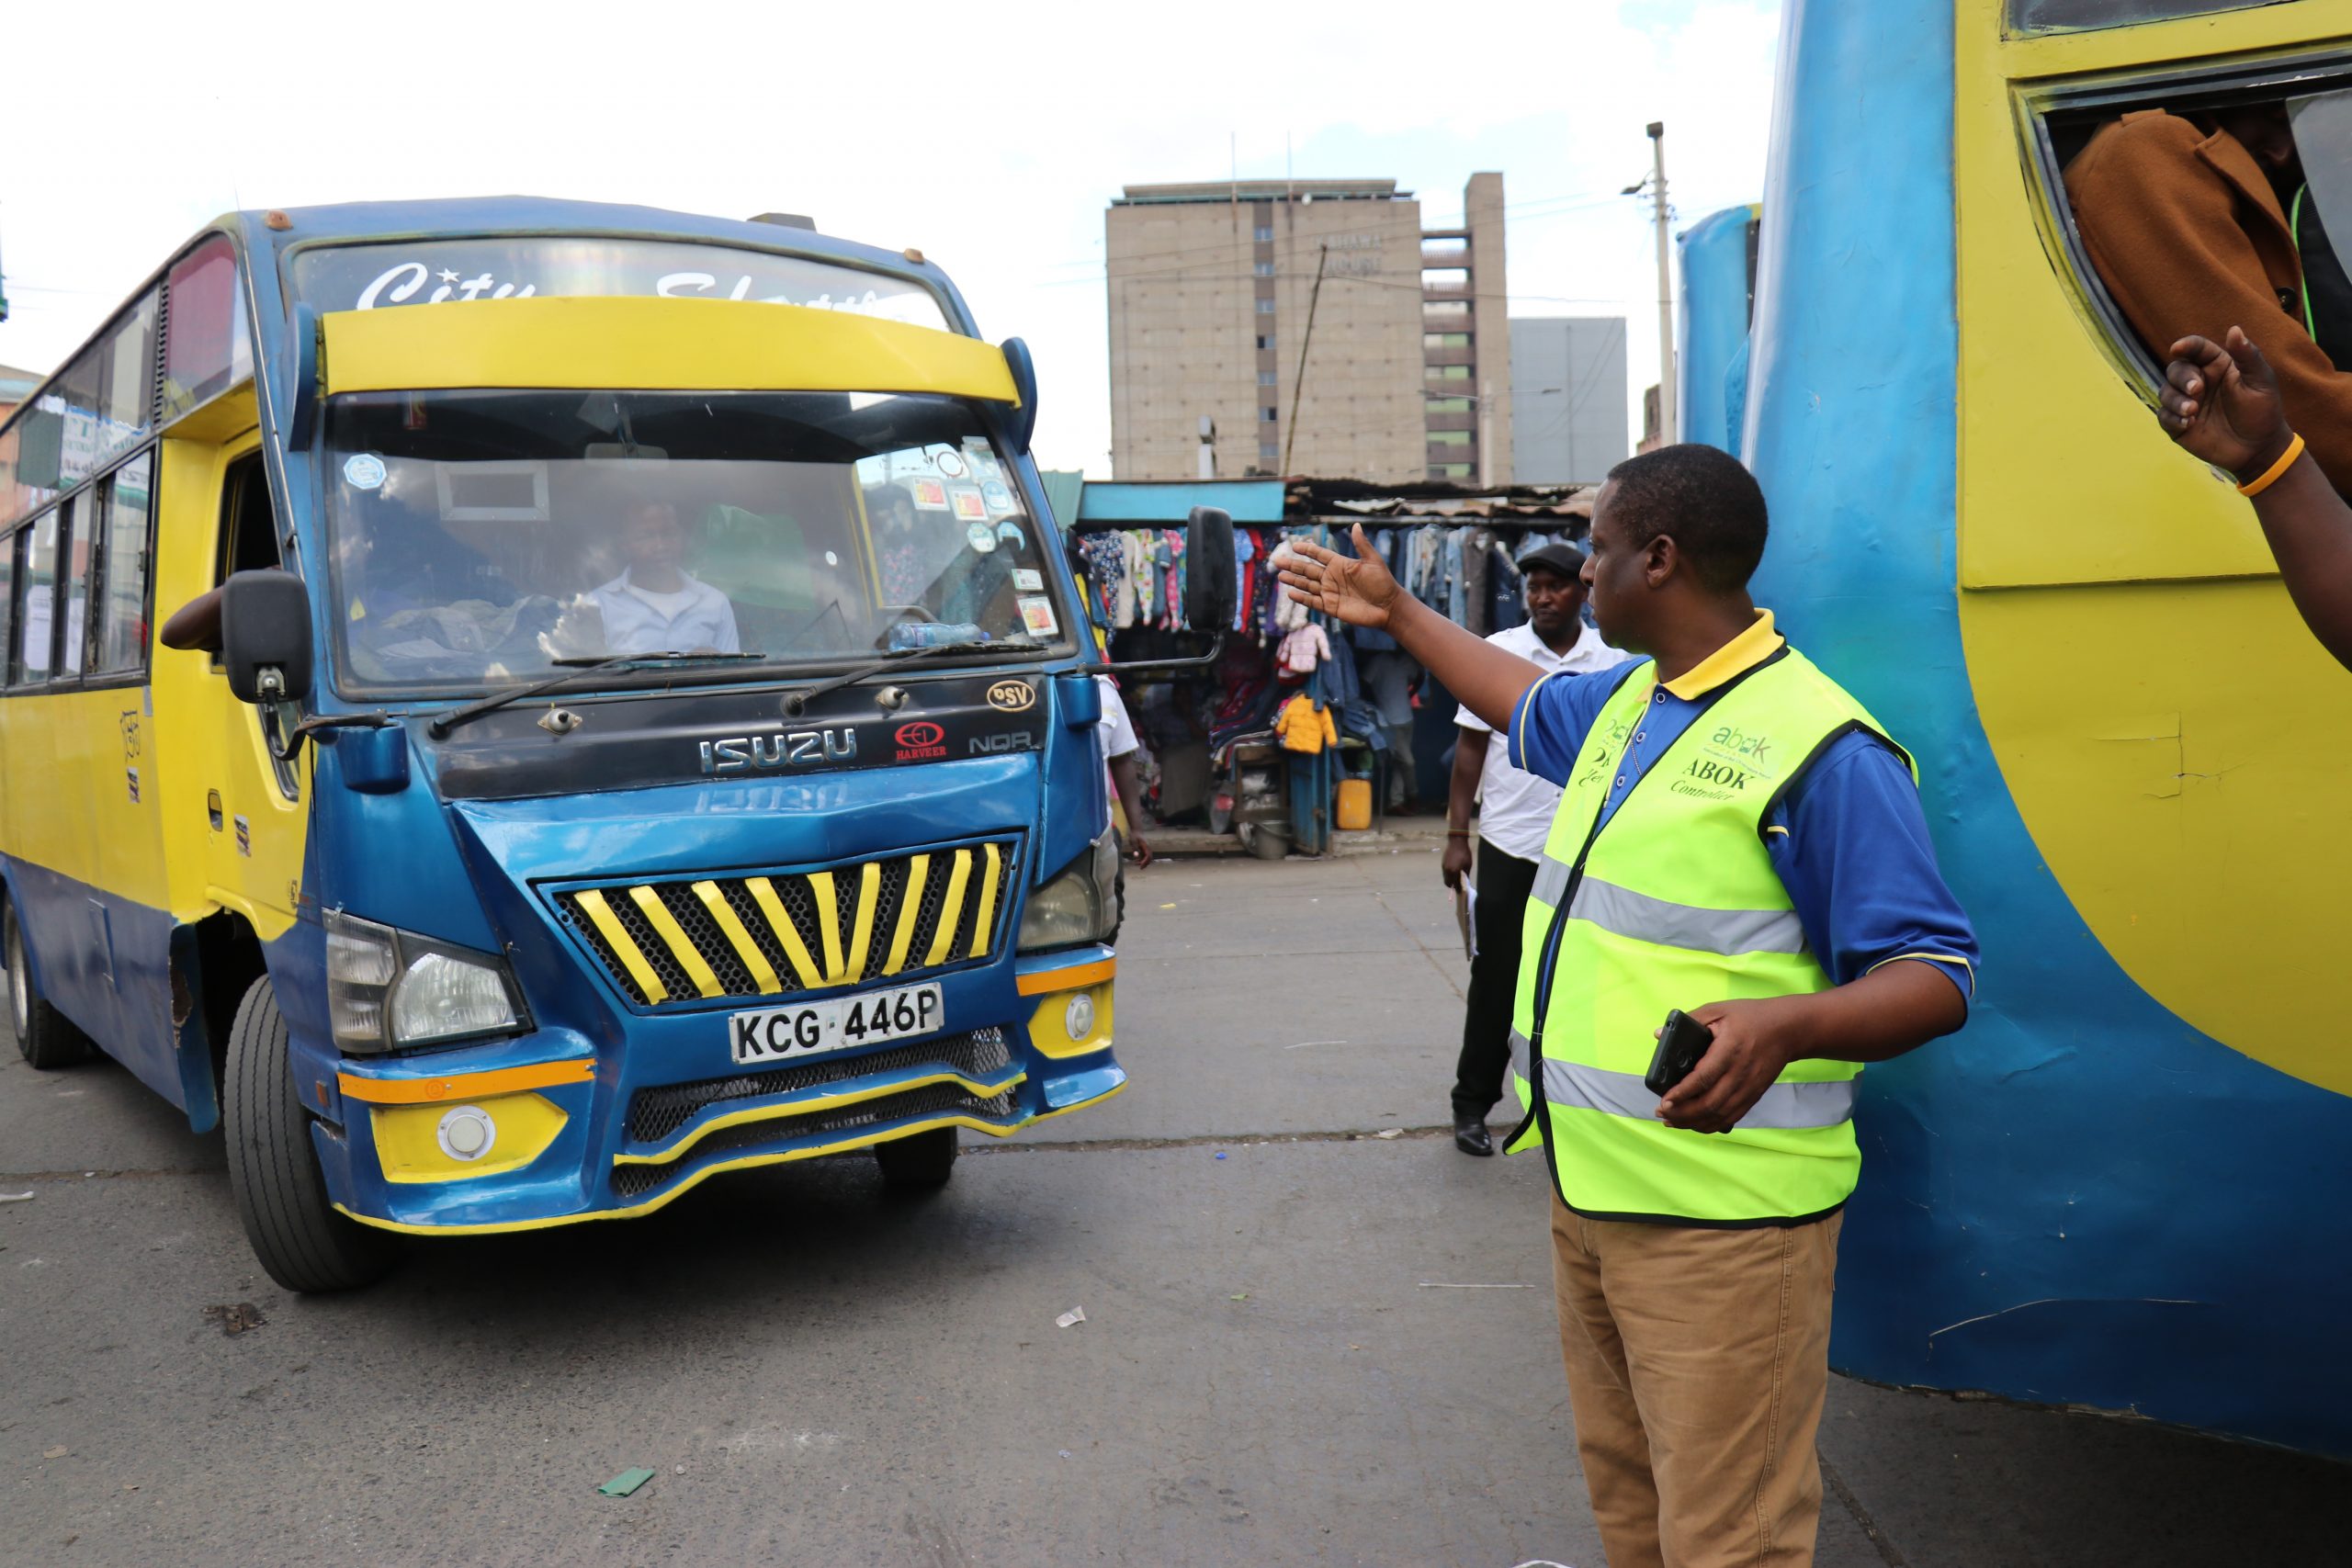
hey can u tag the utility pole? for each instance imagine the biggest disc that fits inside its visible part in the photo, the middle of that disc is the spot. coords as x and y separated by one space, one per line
1290 440
1208 448
1666 431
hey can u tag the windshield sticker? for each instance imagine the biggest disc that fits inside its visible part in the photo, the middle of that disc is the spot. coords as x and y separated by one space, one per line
364 470
1028 581
930 494
968 504
1038 615
999 498
1011 533
981 538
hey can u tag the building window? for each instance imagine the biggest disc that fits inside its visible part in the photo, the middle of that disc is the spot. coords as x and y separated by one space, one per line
1452 470
1269 415
1265 307
1264 269
1265 377
1265 234
1451 373
1449 405
1265 339
1445 340
1449 438
1269 451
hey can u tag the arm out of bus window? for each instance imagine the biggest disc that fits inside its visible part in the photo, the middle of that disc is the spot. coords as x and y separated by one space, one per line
2223 405
2163 210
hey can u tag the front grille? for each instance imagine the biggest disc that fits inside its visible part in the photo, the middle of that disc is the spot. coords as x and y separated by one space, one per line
687 939
931 1100
655 1113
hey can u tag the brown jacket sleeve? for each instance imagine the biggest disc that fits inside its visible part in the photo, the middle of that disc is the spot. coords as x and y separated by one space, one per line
2189 239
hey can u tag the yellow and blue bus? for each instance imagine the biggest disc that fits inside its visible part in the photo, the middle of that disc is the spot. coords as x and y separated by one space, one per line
516 707
2126 1184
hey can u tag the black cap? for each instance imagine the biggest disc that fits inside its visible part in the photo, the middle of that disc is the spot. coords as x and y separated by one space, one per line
1559 556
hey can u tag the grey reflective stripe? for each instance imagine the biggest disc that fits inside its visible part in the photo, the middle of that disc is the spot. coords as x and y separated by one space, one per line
1519 1049
1573 1084
1551 881
1645 919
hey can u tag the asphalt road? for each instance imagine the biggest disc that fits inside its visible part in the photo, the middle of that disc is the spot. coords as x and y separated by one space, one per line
1273 1368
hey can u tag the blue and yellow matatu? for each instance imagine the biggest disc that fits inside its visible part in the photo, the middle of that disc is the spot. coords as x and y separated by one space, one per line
2127 1185
644 728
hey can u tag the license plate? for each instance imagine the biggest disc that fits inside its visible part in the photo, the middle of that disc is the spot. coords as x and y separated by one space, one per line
843 1023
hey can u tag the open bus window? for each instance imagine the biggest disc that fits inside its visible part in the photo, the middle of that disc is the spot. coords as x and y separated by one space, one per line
2216 212
479 536
37 607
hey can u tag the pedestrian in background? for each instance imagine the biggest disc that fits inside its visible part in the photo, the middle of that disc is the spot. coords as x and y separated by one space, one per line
1740 840
1120 749
1514 810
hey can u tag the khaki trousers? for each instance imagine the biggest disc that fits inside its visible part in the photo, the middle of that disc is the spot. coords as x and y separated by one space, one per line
1698 1362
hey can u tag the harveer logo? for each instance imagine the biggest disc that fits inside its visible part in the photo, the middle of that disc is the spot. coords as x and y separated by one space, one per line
919 741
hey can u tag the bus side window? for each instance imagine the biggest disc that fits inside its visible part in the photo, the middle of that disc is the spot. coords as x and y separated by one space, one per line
119 641
8 600
75 561
37 607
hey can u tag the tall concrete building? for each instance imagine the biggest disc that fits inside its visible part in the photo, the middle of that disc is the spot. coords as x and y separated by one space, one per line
1212 286
1568 395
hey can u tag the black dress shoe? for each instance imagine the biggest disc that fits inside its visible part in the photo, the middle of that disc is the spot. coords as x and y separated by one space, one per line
1470 1136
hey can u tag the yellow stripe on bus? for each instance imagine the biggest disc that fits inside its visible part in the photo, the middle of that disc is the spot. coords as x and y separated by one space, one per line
910 907
617 937
829 924
666 926
984 922
722 914
957 880
869 900
763 895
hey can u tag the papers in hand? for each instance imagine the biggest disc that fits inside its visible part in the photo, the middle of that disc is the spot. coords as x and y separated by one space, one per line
1466 915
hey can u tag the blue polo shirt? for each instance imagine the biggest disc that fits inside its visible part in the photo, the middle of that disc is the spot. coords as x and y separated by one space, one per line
1847 838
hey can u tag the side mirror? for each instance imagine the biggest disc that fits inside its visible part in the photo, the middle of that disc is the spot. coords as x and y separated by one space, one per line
1209 570
1021 423
265 636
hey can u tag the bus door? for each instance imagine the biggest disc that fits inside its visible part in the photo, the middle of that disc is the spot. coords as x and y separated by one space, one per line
253 804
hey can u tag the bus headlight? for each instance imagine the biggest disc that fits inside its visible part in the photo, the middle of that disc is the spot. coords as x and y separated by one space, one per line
388 990
1079 906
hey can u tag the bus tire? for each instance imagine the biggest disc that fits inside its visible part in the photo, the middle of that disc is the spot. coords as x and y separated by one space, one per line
919 1164
48 1039
302 1242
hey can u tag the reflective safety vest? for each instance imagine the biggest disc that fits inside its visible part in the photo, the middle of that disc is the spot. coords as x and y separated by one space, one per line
1673 902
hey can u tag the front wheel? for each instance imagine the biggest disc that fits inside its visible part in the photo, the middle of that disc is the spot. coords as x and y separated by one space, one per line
919 1164
274 1170
46 1037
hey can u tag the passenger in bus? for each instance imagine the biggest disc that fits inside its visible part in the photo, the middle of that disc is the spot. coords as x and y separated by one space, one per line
2188 219
655 606
2223 404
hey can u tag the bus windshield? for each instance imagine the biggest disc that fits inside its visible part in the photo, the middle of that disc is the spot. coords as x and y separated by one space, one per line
480 537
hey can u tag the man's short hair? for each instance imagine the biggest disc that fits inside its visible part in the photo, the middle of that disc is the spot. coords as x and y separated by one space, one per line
1702 497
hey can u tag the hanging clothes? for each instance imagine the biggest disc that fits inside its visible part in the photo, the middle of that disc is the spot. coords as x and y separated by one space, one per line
1302 650
1305 725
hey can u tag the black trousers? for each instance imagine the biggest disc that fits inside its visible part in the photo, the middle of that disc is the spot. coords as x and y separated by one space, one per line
1504 884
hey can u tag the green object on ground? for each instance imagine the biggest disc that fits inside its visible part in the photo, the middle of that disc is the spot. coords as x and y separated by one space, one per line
626 1481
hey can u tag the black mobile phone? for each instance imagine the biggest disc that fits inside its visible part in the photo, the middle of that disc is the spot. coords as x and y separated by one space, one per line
1680 1045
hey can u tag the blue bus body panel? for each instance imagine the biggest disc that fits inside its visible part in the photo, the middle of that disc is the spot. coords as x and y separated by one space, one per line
2080 1199
1715 325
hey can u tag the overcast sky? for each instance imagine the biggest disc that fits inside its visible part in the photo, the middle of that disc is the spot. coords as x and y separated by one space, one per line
990 136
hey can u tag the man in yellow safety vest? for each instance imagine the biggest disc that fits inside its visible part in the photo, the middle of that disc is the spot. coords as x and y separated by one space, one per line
1737 838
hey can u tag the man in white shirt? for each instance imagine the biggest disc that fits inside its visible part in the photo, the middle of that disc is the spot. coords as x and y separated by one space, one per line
1119 747
655 606
1514 816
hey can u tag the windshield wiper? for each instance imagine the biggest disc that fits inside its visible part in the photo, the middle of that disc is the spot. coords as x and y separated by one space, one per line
581 669
796 703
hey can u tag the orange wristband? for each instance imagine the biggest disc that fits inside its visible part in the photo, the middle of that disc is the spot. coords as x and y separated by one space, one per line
2271 475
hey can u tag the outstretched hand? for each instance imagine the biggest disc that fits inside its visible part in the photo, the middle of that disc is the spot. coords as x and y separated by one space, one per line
2220 403
1360 592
